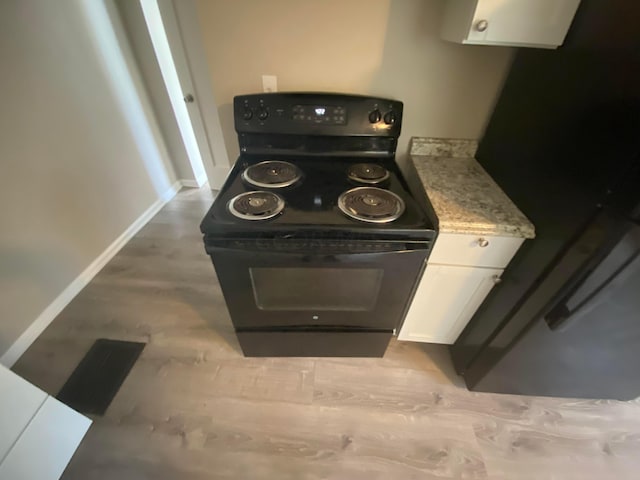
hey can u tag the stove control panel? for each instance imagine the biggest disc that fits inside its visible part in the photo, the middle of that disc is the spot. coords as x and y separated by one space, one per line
325 114
320 114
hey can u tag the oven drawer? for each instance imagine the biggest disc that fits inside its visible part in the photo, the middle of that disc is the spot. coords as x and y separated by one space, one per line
313 343
474 250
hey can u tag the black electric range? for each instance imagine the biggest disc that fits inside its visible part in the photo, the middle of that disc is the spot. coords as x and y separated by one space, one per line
315 237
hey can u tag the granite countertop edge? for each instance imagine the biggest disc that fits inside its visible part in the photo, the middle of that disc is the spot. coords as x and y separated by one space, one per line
489 230
464 197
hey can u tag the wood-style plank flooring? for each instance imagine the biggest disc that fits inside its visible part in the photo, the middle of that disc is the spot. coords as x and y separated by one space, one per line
193 408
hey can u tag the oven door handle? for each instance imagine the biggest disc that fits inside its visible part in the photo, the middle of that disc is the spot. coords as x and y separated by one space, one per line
314 328
316 250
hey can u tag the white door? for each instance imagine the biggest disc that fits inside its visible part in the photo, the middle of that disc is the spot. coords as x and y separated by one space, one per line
171 25
444 302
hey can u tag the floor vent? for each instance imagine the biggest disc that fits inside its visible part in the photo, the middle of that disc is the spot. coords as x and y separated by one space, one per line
99 375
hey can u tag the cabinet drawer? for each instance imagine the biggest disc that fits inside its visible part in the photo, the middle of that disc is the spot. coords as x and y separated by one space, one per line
474 250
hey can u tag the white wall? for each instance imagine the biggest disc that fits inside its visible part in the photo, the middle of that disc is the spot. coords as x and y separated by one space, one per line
389 48
81 157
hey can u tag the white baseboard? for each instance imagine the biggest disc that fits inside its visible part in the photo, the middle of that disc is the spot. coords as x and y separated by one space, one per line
161 202
186 182
53 310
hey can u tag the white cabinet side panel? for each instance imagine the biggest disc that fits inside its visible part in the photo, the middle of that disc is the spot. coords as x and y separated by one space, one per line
44 449
457 19
19 402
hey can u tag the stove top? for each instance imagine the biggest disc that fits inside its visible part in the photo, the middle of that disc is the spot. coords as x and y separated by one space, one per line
316 165
312 203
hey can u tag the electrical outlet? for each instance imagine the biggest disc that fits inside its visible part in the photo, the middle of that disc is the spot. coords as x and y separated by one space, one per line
269 83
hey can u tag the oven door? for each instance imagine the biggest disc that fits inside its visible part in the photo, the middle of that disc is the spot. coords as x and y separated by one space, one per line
292 287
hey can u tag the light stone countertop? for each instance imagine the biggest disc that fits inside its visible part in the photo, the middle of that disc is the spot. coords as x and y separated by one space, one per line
464 197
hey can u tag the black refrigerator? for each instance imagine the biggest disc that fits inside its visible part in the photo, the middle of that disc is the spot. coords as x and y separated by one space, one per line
564 144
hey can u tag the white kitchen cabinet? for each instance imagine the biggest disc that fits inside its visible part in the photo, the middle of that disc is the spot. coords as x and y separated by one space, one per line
446 298
460 273
522 23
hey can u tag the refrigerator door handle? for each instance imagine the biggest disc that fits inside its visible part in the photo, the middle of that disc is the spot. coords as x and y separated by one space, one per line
560 314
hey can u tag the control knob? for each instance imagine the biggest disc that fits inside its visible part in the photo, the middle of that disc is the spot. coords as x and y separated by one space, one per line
375 116
247 114
390 117
263 113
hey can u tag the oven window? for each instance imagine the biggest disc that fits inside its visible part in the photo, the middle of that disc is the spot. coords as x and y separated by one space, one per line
343 289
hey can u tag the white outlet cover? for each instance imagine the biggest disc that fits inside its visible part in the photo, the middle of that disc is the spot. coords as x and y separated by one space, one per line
269 83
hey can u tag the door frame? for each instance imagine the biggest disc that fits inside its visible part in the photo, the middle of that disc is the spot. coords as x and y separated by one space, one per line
186 14
180 66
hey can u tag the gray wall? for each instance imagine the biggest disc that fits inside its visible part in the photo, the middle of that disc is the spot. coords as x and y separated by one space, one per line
380 47
80 160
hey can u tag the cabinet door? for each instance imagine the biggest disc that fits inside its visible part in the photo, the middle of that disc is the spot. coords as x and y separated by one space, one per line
525 22
445 300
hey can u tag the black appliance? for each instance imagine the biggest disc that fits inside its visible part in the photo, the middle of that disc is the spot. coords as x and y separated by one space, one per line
315 238
564 144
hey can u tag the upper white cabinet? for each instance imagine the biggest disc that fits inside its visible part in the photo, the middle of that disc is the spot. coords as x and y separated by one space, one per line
521 23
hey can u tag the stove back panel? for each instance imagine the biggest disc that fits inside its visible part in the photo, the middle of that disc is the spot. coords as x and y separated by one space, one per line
317 145
317 124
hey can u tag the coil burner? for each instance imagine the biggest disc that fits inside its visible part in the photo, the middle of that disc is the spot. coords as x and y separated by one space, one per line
272 174
369 173
371 204
256 205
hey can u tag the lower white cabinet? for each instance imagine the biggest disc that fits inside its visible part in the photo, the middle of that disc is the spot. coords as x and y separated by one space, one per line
460 273
446 299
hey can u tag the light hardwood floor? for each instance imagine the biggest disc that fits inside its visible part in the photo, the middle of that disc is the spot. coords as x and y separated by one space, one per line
194 408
